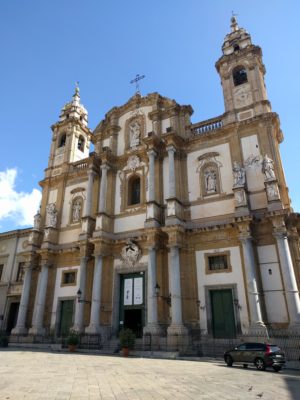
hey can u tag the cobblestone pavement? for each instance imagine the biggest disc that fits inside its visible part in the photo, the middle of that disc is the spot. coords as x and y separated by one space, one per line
60 376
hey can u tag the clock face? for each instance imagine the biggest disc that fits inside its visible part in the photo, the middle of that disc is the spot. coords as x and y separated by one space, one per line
242 96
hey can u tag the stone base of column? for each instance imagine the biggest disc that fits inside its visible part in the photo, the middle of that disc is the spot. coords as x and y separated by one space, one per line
19 330
177 330
93 329
153 329
78 329
177 338
37 330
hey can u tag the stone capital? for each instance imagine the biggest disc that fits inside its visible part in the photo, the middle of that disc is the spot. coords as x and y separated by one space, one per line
171 149
104 166
151 152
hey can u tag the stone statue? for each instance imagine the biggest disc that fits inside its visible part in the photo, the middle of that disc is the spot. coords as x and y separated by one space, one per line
268 168
37 220
210 181
130 254
135 131
238 174
51 215
76 210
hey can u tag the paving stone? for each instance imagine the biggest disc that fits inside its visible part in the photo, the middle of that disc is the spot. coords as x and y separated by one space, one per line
37 375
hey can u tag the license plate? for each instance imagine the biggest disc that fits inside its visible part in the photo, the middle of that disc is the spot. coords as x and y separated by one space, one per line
278 356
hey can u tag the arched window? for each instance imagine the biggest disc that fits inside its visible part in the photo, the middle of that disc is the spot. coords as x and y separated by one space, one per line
80 144
62 140
134 190
239 75
76 209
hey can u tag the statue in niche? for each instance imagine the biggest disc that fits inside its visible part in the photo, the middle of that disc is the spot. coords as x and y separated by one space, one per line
210 178
268 168
51 215
76 210
238 174
37 220
135 132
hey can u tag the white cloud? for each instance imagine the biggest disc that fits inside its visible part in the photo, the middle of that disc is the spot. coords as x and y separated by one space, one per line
18 206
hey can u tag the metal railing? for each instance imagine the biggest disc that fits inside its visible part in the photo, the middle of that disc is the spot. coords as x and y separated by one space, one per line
207 126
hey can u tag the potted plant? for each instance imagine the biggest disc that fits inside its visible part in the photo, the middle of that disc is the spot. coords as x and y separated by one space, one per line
72 340
127 340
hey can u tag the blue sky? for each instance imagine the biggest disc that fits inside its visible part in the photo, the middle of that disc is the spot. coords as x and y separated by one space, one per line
46 46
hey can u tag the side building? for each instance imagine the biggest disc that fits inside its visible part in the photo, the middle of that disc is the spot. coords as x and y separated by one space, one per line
169 228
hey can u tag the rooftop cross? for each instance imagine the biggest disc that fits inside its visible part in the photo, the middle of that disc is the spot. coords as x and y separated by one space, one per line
136 81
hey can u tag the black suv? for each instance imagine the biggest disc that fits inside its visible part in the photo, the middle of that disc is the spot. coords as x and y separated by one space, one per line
260 354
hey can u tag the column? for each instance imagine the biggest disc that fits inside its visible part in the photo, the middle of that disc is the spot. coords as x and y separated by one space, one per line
172 191
256 322
20 328
79 309
94 326
152 326
89 195
151 188
289 279
103 189
176 327
38 314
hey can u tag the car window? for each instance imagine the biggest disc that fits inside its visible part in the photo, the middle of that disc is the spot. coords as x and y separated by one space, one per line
242 347
274 348
256 346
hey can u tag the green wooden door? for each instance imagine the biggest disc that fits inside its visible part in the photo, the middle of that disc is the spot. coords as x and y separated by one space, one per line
223 321
132 302
66 317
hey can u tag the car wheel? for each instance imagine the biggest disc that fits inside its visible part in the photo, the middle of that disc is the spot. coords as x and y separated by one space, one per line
229 361
260 364
276 368
245 365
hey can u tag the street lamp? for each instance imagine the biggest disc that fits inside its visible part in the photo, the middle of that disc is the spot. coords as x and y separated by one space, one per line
79 299
168 299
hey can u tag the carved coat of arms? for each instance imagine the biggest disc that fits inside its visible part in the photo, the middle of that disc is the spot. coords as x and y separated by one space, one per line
130 254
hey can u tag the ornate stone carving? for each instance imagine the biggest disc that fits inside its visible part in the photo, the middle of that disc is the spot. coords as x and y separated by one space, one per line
268 168
135 133
239 176
130 254
133 162
272 191
252 161
51 215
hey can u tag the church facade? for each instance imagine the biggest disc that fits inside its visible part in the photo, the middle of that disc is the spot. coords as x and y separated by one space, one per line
169 226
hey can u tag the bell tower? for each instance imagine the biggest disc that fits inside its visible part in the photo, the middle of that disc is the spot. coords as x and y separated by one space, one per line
242 76
71 135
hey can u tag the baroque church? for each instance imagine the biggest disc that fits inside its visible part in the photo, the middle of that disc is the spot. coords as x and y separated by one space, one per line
169 227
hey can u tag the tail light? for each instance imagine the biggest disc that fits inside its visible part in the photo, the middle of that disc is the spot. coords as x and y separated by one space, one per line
268 350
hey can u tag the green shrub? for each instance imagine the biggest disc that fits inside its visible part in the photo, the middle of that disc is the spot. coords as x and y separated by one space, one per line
73 338
127 338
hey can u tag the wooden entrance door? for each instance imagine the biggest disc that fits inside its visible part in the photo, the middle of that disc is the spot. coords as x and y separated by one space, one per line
223 321
66 317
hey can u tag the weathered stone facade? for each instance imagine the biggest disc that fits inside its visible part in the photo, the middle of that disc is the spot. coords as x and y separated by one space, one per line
167 227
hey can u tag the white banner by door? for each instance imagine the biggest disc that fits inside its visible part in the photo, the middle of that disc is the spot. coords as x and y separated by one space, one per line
128 292
138 291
